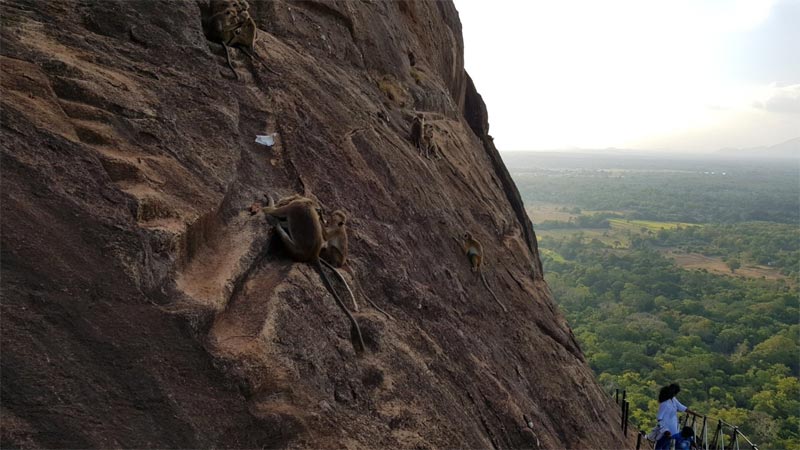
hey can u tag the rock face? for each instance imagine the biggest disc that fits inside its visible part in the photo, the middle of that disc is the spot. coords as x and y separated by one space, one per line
143 306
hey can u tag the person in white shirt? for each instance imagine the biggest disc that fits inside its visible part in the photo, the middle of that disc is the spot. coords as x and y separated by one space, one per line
667 416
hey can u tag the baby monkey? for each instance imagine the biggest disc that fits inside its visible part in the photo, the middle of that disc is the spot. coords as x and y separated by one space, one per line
474 251
334 251
334 248
303 241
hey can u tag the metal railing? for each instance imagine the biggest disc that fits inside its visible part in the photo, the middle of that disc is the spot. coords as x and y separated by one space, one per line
723 430
717 442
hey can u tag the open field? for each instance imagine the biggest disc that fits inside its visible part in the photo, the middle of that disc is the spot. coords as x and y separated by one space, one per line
604 235
716 265
541 211
555 256
647 225
616 236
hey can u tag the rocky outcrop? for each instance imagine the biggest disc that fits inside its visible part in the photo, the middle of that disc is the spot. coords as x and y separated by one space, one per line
144 307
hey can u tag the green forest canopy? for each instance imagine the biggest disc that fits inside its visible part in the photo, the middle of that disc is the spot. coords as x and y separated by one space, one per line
643 322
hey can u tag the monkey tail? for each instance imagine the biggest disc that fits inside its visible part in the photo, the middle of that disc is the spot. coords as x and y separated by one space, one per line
369 300
254 57
341 278
341 304
388 316
228 57
492 292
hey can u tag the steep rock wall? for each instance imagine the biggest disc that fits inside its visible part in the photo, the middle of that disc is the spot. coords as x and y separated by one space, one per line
144 307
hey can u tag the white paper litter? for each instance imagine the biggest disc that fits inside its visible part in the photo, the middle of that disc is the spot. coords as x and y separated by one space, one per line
266 139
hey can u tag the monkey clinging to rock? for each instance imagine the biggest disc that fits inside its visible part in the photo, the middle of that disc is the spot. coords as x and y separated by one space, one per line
474 251
417 131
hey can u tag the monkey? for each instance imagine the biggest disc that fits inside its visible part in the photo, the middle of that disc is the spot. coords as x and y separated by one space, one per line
304 241
334 251
257 206
474 251
334 248
429 143
245 35
230 24
286 200
417 128
220 5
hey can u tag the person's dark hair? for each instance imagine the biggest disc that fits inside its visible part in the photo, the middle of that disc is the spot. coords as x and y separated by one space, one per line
687 432
674 389
665 394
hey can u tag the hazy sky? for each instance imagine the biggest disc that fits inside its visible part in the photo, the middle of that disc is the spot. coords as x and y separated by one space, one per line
668 74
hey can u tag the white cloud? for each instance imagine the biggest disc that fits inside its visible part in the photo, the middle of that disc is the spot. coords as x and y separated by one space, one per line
583 73
782 100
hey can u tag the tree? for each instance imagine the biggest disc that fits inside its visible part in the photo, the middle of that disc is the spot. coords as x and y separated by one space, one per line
778 349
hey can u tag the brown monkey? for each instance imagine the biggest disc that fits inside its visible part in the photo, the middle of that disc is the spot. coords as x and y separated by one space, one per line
244 36
474 251
417 129
258 206
430 143
334 251
220 5
304 241
231 25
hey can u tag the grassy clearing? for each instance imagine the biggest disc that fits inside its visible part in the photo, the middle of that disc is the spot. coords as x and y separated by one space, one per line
606 236
618 237
541 211
640 226
552 255
716 265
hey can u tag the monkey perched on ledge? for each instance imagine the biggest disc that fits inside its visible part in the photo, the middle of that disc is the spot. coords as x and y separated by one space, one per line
474 251
304 241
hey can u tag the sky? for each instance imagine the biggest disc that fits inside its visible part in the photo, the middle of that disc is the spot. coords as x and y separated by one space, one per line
681 75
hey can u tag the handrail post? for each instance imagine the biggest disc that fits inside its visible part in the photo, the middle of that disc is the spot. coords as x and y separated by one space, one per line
625 419
638 440
616 396
716 435
622 415
622 410
735 439
721 437
705 433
